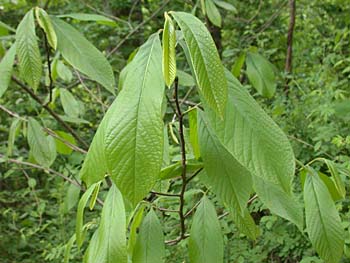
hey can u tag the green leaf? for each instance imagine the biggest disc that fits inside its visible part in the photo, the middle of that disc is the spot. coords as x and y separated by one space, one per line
90 17
42 147
30 66
225 5
213 13
60 146
63 71
206 242
336 177
185 79
208 70
6 66
129 142
71 198
236 68
228 179
330 186
13 132
82 55
255 140
44 22
169 60
149 247
4 29
175 170
69 103
323 223
261 74
94 196
79 231
110 240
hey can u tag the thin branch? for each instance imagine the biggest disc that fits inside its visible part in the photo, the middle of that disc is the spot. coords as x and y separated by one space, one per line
183 158
11 113
194 175
176 240
49 110
47 49
121 42
49 170
289 57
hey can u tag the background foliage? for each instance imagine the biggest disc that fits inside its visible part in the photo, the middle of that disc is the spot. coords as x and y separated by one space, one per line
38 209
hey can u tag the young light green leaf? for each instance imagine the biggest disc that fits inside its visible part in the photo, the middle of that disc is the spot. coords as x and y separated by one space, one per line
44 22
208 70
134 229
225 5
185 79
42 147
206 242
169 60
82 55
110 241
30 65
236 68
323 223
68 249
213 13
228 179
192 116
261 74
14 128
79 231
175 170
90 17
149 247
94 196
5 29
71 198
254 139
129 142
60 146
336 177
69 103
6 66
63 71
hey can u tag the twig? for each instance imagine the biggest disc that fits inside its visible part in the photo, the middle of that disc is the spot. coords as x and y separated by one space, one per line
176 240
137 28
11 113
194 175
49 110
165 194
183 159
289 57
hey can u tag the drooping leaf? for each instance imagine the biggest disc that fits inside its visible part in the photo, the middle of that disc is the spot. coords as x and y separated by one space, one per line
228 179
225 5
169 60
30 65
91 17
79 230
237 66
6 66
129 142
82 55
5 29
206 241
42 147
14 128
175 170
254 139
110 241
336 177
149 247
71 198
69 103
94 196
261 74
323 223
185 79
208 70
63 71
44 22
213 13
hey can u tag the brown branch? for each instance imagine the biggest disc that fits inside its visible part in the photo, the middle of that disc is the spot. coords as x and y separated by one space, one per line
49 110
165 194
183 158
289 57
194 175
11 113
137 28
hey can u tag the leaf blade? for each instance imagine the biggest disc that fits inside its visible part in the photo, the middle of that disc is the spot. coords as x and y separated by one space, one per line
169 60
6 66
